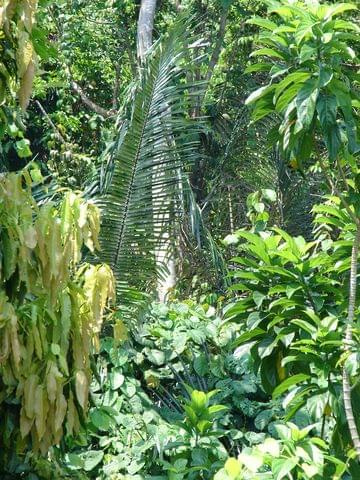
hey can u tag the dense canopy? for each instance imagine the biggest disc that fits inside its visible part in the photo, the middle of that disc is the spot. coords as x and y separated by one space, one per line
179 240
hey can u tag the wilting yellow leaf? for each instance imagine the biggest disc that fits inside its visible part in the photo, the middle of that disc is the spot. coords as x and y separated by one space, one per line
81 388
29 7
5 345
121 331
71 412
25 423
99 287
60 412
15 345
24 54
26 84
30 237
152 381
40 410
51 384
29 395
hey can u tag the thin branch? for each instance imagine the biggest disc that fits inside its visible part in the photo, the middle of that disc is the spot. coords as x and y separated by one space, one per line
51 123
89 103
116 88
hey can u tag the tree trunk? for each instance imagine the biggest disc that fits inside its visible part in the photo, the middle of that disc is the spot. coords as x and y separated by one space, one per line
218 45
348 341
145 27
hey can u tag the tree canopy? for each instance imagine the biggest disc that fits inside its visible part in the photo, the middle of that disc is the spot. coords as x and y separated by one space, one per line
179 240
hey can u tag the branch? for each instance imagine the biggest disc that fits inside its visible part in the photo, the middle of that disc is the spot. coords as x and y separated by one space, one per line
89 103
218 45
116 88
51 123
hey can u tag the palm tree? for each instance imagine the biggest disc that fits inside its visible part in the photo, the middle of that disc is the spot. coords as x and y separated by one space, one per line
144 172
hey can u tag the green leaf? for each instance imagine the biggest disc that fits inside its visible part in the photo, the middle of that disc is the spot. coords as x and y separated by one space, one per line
269 52
297 78
289 382
100 419
23 148
260 92
258 67
263 419
74 461
281 467
262 22
116 379
258 298
201 366
198 400
247 336
338 9
233 467
269 194
214 409
305 105
92 459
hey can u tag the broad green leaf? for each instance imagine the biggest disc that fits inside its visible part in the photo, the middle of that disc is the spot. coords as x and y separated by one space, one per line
262 22
92 459
269 52
282 466
289 382
339 8
258 67
295 78
23 148
260 92
100 419
116 379
305 105
247 336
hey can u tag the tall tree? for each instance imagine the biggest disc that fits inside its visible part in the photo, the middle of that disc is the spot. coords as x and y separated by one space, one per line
145 27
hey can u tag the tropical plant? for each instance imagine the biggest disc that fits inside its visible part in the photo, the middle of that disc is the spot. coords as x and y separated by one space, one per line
312 88
293 455
18 65
52 310
142 181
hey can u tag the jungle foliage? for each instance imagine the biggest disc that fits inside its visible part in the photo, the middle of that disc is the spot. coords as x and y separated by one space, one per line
225 156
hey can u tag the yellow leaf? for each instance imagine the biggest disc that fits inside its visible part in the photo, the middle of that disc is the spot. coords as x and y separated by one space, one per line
152 381
120 331
15 345
71 413
25 423
233 467
30 237
29 7
60 412
51 384
30 386
26 84
41 409
37 341
24 54
81 388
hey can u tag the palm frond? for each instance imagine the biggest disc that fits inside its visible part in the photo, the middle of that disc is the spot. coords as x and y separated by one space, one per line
142 179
